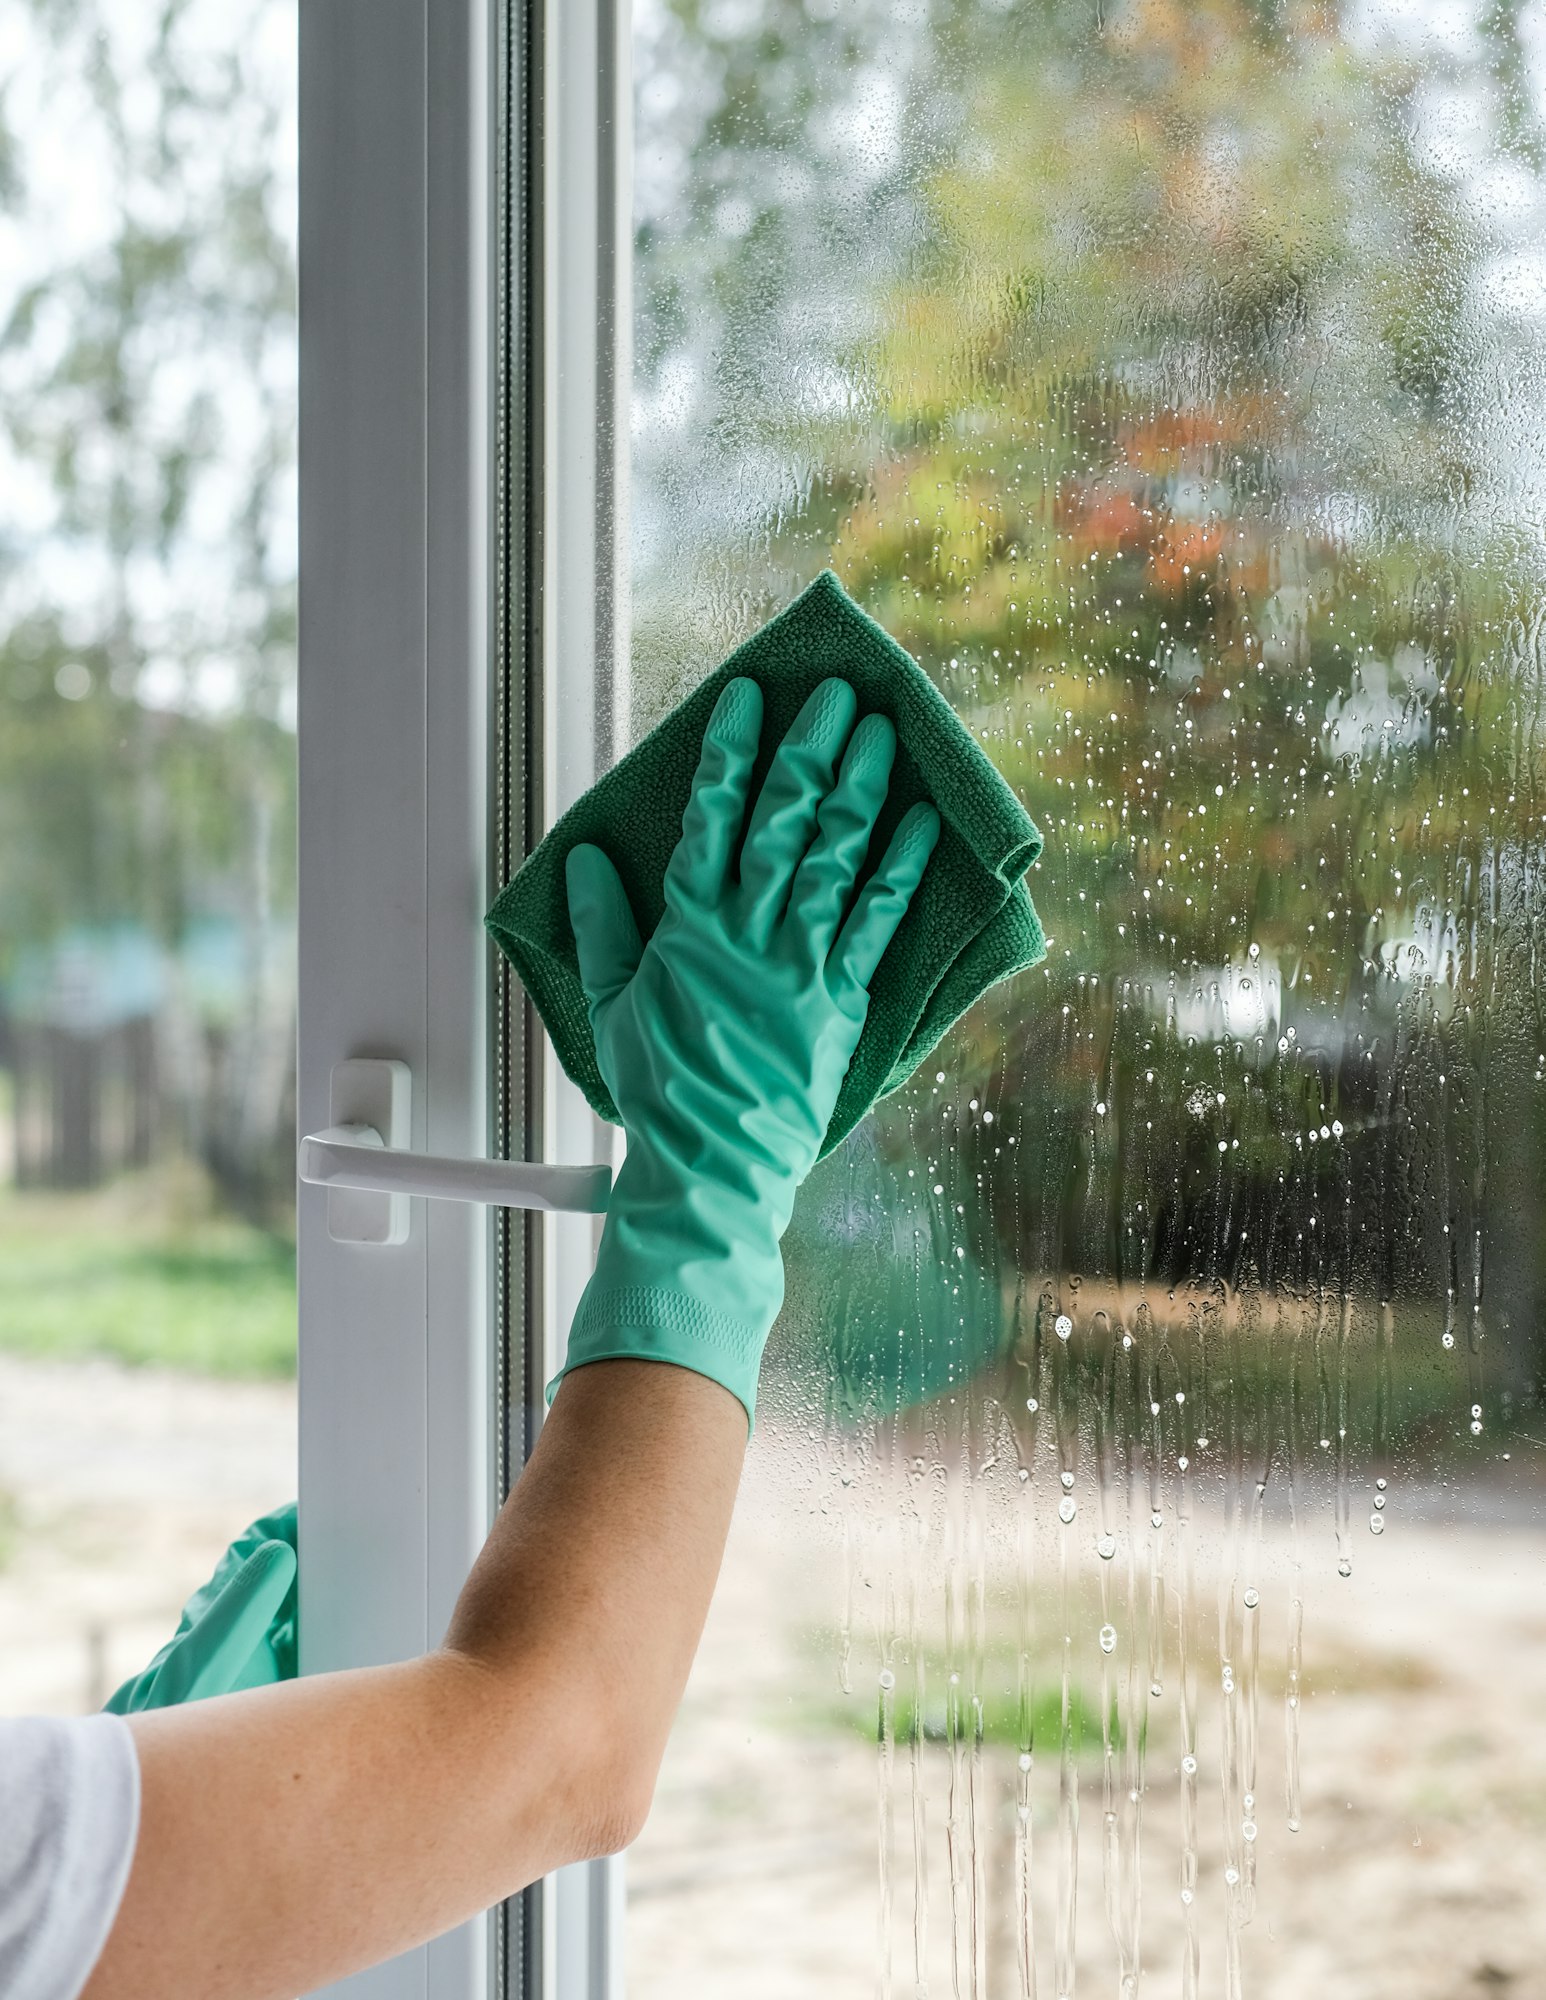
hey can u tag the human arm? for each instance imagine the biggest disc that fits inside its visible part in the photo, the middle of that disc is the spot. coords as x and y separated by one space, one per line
293 1834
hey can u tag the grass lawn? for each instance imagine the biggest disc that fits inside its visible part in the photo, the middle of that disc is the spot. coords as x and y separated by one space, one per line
145 1272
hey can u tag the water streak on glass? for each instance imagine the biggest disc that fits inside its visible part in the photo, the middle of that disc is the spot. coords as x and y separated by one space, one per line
1170 380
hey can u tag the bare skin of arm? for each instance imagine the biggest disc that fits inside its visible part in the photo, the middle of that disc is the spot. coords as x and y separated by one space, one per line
295 1834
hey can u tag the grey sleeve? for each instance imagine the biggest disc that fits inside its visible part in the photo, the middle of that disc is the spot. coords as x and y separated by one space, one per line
69 1813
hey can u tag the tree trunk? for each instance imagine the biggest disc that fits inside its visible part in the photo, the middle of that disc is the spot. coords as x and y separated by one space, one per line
75 1150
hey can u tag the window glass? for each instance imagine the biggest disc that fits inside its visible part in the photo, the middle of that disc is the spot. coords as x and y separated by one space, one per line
147 882
1137 1569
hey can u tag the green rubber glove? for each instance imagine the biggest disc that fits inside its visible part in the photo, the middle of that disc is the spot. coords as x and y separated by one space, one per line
725 1039
237 1632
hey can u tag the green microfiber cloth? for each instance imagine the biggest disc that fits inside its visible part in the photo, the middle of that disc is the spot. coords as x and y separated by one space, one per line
970 924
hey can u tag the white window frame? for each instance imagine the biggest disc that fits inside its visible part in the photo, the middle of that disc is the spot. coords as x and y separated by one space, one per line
414 528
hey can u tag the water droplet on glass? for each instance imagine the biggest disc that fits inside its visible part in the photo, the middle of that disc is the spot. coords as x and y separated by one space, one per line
1156 1688
1248 1829
1031 1403
887 1678
1376 1524
1231 1876
1025 1760
1062 1326
1066 1480
1024 1475
1183 1461
1448 1340
1252 1599
1381 1484
1108 1638
1106 1547
1345 1566
1067 1509
1156 1520
1379 1500
1293 1826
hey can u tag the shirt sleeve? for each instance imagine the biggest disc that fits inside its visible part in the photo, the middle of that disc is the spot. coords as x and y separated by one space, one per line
69 1813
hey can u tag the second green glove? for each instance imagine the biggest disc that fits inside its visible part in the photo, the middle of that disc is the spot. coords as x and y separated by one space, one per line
237 1631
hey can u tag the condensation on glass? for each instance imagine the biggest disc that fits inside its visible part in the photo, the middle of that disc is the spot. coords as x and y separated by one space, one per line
1136 1584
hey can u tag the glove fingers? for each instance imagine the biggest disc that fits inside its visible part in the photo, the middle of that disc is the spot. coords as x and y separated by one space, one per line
844 824
883 900
716 812
784 817
605 934
279 1526
210 1659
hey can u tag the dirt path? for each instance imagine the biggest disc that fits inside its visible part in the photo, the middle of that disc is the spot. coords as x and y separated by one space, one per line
1416 1875
119 1488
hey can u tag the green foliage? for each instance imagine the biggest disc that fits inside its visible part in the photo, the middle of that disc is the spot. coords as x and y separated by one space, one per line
118 358
1155 410
148 402
950 1716
195 1291
111 811
147 536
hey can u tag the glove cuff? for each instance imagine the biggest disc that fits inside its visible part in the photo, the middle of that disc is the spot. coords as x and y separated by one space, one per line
653 1323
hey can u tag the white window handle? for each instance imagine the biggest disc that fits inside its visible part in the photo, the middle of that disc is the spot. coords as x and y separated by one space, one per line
371 1179
353 1156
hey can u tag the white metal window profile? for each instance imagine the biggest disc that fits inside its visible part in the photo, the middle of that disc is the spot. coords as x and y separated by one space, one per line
464 379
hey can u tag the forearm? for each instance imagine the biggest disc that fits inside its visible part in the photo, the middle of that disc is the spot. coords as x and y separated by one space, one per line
291 1835
601 1576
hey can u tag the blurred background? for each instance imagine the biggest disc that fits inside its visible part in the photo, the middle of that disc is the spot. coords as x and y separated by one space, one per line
147 852
1135 1587
1136 1584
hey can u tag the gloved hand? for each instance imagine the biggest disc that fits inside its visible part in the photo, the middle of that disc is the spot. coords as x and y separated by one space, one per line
725 1039
238 1631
